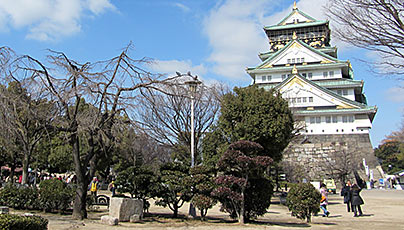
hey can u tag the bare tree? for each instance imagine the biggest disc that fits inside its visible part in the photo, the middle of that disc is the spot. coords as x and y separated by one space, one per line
92 99
167 117
376 25
341 164
25 110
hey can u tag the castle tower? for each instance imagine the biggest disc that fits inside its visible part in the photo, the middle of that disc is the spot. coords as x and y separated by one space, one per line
327 102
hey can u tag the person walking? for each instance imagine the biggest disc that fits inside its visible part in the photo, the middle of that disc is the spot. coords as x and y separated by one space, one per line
94 188
346 192
357 200
324 200
112 187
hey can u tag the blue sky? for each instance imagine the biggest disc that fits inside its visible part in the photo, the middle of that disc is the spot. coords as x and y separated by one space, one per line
216 40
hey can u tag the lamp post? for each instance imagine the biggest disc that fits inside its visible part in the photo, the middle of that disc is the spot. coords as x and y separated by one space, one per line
192 85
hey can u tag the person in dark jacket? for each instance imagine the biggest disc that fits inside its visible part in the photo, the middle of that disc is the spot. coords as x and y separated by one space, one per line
357 200
346 192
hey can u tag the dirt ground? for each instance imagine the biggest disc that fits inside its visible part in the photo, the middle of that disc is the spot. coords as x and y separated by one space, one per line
383 209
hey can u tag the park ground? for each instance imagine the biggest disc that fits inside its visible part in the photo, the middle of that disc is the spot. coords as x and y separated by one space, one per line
383 209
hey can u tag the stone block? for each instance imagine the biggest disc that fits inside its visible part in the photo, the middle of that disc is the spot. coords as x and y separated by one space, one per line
136 218
4 210
124 208
109 220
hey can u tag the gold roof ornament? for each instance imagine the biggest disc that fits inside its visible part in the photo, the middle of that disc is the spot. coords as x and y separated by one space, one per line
294 36
294 6
294 70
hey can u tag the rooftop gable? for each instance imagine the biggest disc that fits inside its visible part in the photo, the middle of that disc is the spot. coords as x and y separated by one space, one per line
295 84
295 17
297 48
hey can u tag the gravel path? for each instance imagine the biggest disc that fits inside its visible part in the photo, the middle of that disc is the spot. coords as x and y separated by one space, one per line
383 209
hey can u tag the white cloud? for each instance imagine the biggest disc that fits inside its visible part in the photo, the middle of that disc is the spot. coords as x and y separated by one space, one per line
396 94
182 7
100 6
234 30
236 37
49 19
172 66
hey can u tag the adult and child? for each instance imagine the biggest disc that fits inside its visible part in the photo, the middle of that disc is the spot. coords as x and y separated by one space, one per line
352 198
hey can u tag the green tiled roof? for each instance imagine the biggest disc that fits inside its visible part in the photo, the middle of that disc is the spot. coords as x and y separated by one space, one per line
300 12
355 103
339 83
299 67
336 83
297 25
301 43
368 109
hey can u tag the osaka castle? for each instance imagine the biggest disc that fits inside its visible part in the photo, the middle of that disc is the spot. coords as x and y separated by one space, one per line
329 106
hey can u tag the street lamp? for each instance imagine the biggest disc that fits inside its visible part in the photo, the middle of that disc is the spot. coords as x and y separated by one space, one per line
192 85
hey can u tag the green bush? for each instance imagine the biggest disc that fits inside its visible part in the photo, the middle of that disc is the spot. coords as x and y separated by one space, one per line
55 195
303 200
21 197
16 222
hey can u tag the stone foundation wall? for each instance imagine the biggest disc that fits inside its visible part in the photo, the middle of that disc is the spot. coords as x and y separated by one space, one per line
313 157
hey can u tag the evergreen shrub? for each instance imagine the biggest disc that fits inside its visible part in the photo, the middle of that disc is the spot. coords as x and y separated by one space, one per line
22 197
55 195
303 200
16 222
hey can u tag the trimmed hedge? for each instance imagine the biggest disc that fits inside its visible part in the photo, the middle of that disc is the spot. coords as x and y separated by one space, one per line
52 195
19 197
16 222
303 200
55 195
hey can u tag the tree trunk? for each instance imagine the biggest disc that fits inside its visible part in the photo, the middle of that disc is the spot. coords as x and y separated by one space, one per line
175 206
12 170
25 166
242 209
79 204
308 218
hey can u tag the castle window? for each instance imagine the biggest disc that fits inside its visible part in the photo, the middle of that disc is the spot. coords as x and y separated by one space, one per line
325 74
269 78
328 119
342 130
339 92
304 99
298 60
288 61
312 120
302 59
310 76
293 60
310 99
344 119
283 76
318 120
331 73
334 119
351 119
299 100
304 75
345 92
264 78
